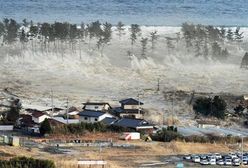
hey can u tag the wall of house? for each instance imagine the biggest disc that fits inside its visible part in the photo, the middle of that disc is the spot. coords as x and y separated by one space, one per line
207 126
97 107
40 119
94 119
131 115
131 106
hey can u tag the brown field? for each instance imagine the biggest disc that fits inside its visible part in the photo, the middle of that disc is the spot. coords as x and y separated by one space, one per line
117 157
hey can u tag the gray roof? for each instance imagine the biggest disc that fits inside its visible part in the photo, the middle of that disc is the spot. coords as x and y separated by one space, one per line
128 111
89 113
131 122
108 120
130 101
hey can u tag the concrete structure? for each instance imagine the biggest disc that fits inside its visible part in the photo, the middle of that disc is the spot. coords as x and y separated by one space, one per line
6 127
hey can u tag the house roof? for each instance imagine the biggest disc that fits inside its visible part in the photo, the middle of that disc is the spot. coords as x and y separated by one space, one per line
38 114
108 120
131 123
31 107
26 120
90 113
95 103
54 122
128 111
130 101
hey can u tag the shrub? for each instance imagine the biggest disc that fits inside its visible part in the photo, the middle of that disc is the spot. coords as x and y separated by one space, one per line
24 162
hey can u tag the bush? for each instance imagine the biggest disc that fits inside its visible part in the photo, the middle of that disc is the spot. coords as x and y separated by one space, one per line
24 162
167 135
215 107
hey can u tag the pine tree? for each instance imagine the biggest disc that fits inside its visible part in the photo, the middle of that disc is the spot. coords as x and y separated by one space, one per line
244 62
143 45
154 38
120 29
229 35
135 31
45 127
238 36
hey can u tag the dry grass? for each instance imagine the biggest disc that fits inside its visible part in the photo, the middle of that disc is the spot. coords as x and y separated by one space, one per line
117 157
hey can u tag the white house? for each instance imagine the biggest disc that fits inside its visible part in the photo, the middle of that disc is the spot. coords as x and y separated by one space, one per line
93 116
39 117
65 121
96 106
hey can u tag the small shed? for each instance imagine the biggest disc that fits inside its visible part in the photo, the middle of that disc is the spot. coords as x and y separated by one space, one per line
208 124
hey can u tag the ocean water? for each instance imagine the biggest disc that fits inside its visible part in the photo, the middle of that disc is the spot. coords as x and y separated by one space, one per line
143 12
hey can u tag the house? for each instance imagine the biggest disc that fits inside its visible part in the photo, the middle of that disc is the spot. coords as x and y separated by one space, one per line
38 117
93 116
97 106
46 109
65 121
208 123
26 123
135 124
108 120
130 108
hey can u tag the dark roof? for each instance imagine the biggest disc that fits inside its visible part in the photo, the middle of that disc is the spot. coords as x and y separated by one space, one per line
90 113
128 111
37 114
131 122
108 120
54 123
95 103
130 101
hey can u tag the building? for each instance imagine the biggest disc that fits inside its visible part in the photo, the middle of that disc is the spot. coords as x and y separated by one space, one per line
97 106
130 108
135 124
208 124
29 109
38 117
89 116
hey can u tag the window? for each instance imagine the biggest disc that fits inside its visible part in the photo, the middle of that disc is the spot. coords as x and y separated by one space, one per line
85 118
96 119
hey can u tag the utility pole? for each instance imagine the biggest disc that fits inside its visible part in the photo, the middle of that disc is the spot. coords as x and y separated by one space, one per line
52 102
158 85
242 150
67 106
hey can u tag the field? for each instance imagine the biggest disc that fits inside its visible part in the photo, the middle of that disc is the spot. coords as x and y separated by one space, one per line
140 154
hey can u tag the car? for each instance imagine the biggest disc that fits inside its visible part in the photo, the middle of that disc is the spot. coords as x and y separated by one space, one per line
228 162
236 163
220 162
204 157
212 162
218 156
204 162
245 160
236 160
187 157
232 155
196 159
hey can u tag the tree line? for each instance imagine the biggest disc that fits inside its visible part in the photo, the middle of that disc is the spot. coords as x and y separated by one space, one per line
199 40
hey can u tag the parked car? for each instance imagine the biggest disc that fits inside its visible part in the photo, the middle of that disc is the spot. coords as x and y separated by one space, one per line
218 156
228 162
220 162
232 155
187 157
196 159
236 163
212 162
204 162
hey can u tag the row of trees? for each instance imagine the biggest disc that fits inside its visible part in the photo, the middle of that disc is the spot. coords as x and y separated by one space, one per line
200 40
80 128
204 39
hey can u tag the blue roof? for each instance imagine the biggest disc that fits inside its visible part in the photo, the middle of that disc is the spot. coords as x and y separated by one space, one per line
131 122
89 113
108 120
130 101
